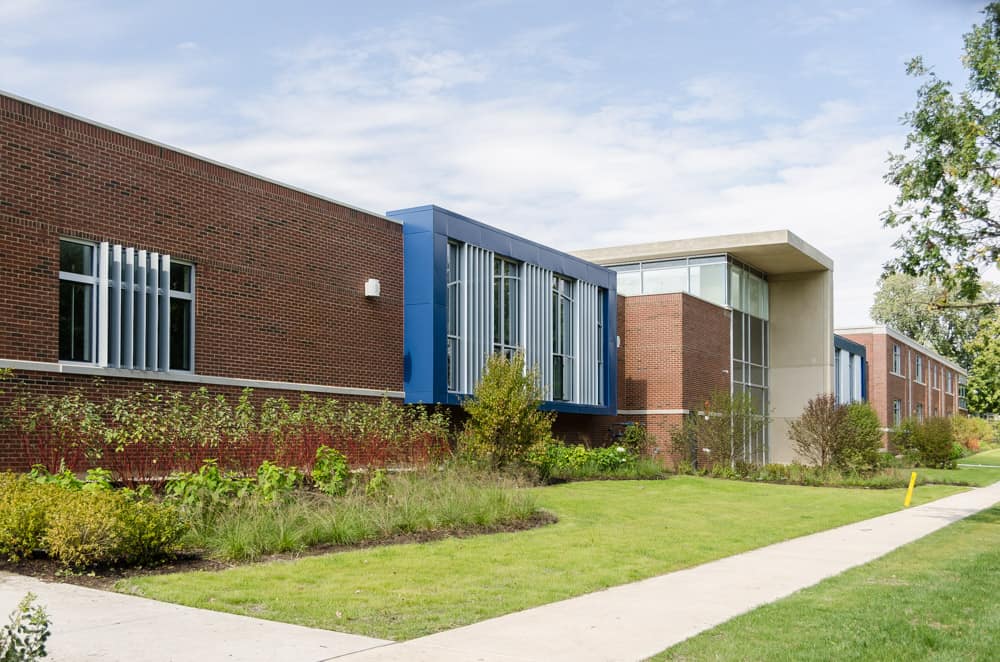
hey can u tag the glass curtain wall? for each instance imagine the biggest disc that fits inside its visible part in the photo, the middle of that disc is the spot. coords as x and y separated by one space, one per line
748 298
704 277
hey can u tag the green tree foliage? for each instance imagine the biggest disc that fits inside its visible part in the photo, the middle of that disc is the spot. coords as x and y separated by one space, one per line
949 173
927 313
861 444
23 638
504 420
983 392
821 431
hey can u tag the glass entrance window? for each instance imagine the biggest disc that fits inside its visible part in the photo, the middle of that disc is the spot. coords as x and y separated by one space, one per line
506 307
562 338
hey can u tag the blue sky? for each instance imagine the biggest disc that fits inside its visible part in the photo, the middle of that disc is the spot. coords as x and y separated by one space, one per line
576 124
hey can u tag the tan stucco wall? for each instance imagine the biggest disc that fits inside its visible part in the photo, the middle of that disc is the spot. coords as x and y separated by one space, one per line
801 350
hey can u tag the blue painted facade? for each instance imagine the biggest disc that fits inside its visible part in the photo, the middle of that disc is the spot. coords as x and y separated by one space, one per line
426 233
854 349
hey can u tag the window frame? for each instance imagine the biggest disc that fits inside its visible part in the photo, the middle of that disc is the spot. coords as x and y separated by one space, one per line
185 296
453 337
897 360
897 412
918 368
565 356
510 345
93 281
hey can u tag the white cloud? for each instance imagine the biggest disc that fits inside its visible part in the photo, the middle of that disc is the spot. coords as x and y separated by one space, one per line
383 119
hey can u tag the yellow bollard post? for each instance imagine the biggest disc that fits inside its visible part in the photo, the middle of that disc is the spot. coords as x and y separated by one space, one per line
909 491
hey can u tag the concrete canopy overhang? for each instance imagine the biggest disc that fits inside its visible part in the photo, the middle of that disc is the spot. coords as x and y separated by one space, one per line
772 252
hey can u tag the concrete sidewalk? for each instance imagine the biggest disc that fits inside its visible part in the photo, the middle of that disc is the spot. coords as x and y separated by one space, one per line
627 622
635 621
88 624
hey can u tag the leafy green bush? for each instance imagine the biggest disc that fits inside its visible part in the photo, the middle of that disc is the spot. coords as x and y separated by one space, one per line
25 507
927 443
636 439
973 433
109 528
504 419
207 487
557 461
378 484
860 445
23 638
330 472
821 431
273 481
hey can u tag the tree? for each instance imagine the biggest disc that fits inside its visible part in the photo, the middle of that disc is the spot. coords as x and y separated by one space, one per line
983 391
923 310
821 431
949 173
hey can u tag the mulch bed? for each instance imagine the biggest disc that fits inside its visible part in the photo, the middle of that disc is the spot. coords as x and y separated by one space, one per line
104 578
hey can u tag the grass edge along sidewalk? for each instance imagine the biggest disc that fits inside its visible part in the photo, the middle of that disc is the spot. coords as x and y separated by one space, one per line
934 598
609 533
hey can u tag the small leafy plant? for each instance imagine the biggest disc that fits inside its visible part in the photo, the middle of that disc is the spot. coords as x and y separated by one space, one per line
23 638
330 472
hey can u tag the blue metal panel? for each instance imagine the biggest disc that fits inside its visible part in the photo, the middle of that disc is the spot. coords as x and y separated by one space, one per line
426 231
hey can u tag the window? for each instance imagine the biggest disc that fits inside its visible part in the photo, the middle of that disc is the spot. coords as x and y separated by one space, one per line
77 298
506 307
125 308
920 412
703 277
562 338
947 382
454 305
920 370
601 299
962 393
896 360
897 412
181 332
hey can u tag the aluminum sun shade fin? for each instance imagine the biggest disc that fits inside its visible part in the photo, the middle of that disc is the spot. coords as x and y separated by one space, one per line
103 258
856 378
538 323
135 317
586 332
479 306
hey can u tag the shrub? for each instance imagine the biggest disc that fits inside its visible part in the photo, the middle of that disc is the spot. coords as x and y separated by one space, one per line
23 638
504 419
636 439
928 443
273 481
859 450
727 432
330 472
821 431
971 432
25 508
109 528
206 487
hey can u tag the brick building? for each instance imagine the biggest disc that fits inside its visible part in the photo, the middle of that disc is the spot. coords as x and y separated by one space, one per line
135 262
905 378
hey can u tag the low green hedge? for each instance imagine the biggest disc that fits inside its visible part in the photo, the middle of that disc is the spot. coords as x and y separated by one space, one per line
83 528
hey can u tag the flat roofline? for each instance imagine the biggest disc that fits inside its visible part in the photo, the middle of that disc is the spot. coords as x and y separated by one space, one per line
885 330
773 251
197 157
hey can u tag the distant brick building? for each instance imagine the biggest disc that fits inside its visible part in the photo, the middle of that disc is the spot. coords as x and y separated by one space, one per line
906 379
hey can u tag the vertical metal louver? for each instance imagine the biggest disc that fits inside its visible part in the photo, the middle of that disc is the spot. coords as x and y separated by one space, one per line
133 309
538 323
588 336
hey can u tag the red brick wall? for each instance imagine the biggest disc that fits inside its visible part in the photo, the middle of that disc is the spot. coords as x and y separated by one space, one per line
674 353
279 273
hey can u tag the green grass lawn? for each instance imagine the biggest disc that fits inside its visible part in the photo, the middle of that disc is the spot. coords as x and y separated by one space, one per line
986 457
934 599
609 533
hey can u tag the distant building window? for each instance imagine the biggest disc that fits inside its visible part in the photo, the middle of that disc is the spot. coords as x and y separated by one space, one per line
897 363
506 307
562 338
919 377
897 412
947 382
962 404
920 412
